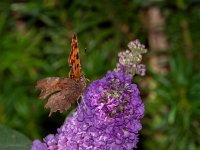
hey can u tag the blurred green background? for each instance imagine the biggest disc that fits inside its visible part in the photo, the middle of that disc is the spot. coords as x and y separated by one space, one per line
35 39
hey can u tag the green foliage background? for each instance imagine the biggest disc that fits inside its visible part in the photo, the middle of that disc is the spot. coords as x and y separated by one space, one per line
35 38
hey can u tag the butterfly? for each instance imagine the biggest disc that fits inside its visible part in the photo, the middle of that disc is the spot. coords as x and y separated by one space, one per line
60 91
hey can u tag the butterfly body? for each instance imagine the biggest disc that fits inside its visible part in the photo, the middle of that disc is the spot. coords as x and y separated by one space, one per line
62 92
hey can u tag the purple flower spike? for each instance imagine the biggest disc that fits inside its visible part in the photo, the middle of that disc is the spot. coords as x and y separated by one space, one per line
108 116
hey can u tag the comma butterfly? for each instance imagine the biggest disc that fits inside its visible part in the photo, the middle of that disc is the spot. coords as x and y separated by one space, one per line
62 92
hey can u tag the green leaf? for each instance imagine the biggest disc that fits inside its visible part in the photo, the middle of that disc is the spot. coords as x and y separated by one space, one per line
13 140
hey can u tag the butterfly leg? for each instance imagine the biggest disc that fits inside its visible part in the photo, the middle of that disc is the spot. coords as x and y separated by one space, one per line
77 102
83 101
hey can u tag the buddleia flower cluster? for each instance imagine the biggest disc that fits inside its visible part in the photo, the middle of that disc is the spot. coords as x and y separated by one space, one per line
129 60
109 115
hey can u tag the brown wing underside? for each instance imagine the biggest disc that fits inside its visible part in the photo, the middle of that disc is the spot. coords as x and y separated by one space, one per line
61 92
74 60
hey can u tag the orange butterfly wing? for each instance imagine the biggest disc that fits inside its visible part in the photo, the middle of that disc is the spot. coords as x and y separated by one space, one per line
74 60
